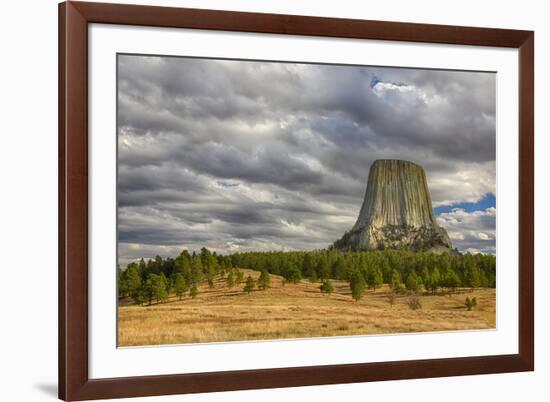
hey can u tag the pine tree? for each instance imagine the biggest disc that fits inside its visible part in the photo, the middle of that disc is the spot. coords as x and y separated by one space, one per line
196 270
134 284
121 282
143 269
264 281
293 274
156 287
230 280
425 276
413 282
483 280
451 280
249 286
180 285
313 277
471 276
374 278
182 265
210 275
396 282
323 268
339 268
434 281
194 291
357 285
239 276
308 266
148 289
167 283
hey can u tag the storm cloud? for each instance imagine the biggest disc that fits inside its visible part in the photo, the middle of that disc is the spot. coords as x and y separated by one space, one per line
248 155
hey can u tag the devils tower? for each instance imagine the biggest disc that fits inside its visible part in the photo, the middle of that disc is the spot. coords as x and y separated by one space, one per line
397 212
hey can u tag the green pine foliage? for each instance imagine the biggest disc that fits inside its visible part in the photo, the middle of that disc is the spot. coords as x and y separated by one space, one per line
413 282
155 288
210 279
196 269
335 264
194 291
144 281
313 277
396 283
323 269
308 266
180 286
326 287
133 283
230 280
374 278
357 285
292 274
239 276
451 280
264 281
433 280
249 285
471 274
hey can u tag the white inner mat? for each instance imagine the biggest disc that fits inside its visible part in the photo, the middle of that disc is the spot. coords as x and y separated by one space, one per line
106 360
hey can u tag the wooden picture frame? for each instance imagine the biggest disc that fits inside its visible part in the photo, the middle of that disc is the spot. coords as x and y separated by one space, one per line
74 381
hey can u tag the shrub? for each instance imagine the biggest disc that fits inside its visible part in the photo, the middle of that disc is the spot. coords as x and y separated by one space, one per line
326 287
470 303
414 302
293 275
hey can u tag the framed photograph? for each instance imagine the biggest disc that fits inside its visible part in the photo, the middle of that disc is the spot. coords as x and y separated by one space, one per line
259 200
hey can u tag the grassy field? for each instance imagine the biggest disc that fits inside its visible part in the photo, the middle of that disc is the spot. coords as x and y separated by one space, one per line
295 311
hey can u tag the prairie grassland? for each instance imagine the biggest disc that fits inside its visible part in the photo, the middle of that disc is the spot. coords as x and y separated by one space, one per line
295 311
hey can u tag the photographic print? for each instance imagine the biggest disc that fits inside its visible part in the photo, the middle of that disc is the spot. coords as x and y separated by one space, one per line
262 200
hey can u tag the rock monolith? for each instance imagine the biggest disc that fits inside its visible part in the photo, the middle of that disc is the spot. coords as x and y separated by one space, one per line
396 212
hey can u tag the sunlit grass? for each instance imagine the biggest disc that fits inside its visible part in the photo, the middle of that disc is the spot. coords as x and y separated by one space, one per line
295 311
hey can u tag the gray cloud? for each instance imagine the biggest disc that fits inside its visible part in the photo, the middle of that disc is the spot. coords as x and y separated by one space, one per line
471 231
257 155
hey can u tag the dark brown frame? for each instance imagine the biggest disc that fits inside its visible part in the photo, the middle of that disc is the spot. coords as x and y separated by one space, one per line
74 383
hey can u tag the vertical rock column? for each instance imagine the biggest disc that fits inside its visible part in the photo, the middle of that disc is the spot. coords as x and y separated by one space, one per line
396 212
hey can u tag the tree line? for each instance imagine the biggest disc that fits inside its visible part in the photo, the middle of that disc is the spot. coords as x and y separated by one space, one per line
155 279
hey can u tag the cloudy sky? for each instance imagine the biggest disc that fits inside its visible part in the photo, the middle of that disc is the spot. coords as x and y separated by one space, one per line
244 155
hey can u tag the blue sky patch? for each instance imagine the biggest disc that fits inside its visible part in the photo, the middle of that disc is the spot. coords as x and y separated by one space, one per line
227 184
487 201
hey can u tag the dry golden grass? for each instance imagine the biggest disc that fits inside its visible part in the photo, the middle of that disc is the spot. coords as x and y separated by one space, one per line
295 311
